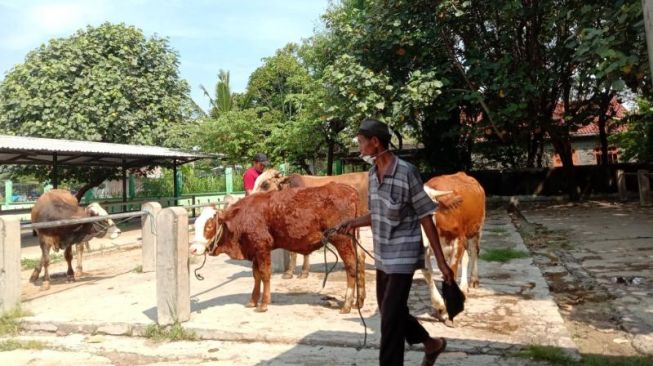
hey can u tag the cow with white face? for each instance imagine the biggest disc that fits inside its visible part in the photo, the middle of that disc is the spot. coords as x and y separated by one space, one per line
459 221
198 244
57 205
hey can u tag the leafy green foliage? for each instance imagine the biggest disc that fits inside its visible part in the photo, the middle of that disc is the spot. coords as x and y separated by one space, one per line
107 83
637 140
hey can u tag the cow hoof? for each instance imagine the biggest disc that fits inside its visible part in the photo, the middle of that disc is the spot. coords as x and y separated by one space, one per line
449 323
70 278
250 304
45 286
346 310
34 277
303 275
440 315
261 309
286 276
474 284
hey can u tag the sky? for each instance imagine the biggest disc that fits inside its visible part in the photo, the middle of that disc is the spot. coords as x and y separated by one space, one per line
208 35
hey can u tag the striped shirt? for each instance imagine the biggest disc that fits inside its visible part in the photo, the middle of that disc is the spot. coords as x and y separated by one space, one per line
396 207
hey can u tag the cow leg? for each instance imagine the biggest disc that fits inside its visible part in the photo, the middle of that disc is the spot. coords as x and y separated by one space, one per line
37 269
45 262
68 254
464 286
474 249
345 249
290 270
265 270
79 251
256 292
305 267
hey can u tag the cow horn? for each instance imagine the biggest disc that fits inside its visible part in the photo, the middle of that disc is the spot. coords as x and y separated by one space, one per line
434 193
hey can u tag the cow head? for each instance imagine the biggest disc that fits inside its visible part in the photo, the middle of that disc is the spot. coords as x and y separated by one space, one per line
103 227
270 180
215 233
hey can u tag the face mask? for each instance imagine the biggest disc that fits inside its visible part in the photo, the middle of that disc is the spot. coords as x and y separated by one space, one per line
371 159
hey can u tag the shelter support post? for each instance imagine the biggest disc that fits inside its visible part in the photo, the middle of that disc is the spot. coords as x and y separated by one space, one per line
124 185
55 173
148 227
9 263
172 271
9 192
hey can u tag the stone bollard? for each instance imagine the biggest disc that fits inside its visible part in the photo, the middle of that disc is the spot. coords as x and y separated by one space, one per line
9 263
645 196
172 270
621 185
148 233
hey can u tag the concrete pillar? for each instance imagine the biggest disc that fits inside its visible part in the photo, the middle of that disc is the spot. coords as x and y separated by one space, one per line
148 233
621 185
280 259
9 263
645 196
172 271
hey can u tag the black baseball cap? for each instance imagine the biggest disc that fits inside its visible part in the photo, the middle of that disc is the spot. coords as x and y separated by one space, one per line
261 158
371 127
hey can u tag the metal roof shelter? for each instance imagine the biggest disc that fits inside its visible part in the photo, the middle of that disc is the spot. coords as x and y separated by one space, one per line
57 152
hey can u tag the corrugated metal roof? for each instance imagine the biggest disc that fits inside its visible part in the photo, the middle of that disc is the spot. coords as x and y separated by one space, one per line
36 150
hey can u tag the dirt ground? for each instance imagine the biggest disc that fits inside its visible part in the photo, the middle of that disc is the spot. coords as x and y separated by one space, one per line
589 268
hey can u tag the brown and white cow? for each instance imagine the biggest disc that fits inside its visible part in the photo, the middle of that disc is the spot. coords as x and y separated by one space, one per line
292 219
273 180
459 221
59 204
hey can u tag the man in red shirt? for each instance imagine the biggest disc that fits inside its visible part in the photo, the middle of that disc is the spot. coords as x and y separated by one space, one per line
259 163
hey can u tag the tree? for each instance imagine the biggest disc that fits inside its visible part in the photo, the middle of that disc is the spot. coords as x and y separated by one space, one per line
224 100
107 83
498 69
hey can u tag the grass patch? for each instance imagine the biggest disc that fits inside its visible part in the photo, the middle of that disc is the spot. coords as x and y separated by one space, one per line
10 345
9 323
556 356
502 255
172 333
138 269
27 263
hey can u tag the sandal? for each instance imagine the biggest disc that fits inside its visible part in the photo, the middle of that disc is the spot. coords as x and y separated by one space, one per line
429 358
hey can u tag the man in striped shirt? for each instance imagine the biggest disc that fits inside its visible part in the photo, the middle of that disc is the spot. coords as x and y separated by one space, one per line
398 206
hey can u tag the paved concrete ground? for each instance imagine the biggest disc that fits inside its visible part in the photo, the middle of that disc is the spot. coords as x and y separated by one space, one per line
611 244
512 309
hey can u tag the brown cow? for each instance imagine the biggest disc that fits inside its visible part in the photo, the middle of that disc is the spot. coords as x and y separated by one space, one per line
272 180
59 204
459 221
292 219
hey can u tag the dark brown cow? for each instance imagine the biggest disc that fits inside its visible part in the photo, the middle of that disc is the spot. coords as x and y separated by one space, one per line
292 219
273 180
459 221
59 204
